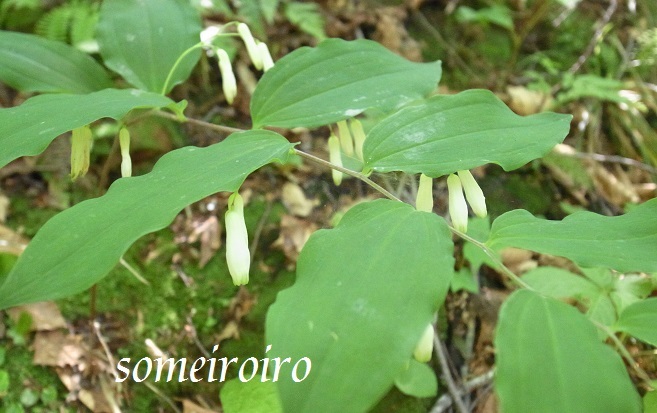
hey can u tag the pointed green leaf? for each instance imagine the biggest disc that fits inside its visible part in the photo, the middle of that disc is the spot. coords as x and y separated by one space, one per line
365 292
549 359
29 128
447 133
31 63
337 80
79 246
640 320
250 397
417 380
625 243
560 283
141 40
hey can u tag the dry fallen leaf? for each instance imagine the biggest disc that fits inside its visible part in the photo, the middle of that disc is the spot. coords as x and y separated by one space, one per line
45 315
527 102
293 236
55 348
191 407
295 200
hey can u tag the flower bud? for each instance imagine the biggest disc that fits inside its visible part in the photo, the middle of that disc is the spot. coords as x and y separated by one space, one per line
237 241
335 157
346 141
267 61
228 81
424 347
458 209
251 46
359 137
81 141
209 34
124 144
473 193
424 199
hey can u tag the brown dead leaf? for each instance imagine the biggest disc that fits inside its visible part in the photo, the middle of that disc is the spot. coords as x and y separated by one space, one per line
11 242
518 260
231 330
527 102
295 200
614 187
293 236
45 315
55 348
191 407
4 207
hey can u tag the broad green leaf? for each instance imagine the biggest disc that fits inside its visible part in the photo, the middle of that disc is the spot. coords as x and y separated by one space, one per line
253 396
650 400
79 246
141 40
549 359
640 320
497 14
364 294
336 80
418 380
29 128
31 63
559 283
447 133
630 288
308 17
625 243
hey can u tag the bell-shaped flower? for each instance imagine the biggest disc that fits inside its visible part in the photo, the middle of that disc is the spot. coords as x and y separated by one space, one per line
424 347
237 241
359 137
228 81
267 61
473 193
458 209
124 144
424 199
346 141
336 158
81 141
251 46
209 34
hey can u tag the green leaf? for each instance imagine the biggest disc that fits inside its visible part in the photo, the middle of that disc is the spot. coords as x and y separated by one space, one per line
308 17
497 14
559 283
650 400
141 40
418 380
640 320
337 80
29 128
624 243
79 246
447 133
549 359
629 289
268 9
365 292
250 397
33 64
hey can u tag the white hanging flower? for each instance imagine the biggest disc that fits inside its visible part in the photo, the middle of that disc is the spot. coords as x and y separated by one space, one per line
335 157
81 141
458 209
424 199
251 46
346 141
209 33
359 137
237 241
424 347
124 144
228 82
267 61
473 193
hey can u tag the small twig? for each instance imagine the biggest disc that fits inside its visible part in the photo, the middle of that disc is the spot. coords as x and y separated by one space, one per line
447 375
613 159
108 353
162 396
349 172
445 401
133 271
613 4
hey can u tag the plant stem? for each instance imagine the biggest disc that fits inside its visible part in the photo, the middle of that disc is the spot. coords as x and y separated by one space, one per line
176 64
447 375
208 125
349 172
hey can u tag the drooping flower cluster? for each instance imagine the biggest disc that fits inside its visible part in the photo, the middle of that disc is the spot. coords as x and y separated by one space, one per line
258 53
81 142
349 140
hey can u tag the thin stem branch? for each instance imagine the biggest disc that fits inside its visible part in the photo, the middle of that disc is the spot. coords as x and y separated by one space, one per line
445 401
202 123
349 172
176 64
447 375
626 354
